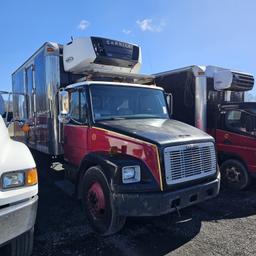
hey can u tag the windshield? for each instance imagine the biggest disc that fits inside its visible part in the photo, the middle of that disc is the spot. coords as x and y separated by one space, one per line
2 105
121 102
6 106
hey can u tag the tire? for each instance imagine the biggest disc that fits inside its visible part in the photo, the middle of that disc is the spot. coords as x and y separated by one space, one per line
21 245
98 205
234 175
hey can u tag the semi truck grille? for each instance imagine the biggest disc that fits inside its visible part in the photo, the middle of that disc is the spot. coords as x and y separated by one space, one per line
189 162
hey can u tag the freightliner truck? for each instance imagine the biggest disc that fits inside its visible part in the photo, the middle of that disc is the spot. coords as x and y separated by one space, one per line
18 195
212 99
86 101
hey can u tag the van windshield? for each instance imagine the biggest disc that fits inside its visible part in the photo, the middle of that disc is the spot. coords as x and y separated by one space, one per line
2 105
6 107
110 102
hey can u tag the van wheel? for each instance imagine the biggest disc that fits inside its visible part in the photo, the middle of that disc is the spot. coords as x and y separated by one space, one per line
21 245
97 202
234 175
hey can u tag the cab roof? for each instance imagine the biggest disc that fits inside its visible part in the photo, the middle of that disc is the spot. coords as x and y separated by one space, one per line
88 83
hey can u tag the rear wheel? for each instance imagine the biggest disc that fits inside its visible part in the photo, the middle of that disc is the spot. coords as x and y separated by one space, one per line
21 245
234 174
98 203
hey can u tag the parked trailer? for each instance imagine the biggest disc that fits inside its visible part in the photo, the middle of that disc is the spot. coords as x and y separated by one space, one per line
126 157
212 98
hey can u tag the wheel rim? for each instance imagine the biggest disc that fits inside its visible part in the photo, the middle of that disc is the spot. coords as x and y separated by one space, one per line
233 175
96 200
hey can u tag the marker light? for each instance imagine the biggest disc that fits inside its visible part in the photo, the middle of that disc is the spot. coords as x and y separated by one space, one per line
50 49
25 128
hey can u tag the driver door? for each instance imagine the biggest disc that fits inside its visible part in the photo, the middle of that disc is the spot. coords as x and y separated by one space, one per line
76 131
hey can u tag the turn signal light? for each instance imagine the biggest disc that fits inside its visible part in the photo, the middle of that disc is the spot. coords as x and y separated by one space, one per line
25 128
31 177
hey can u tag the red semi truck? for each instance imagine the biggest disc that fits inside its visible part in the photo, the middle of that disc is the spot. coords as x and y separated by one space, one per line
85 101
212 99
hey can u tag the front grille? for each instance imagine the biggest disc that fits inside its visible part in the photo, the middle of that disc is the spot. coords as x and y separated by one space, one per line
189 162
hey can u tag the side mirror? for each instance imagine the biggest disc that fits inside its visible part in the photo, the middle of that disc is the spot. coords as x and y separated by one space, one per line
169 99
64 107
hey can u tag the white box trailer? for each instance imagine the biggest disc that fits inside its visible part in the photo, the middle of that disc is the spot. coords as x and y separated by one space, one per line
45 72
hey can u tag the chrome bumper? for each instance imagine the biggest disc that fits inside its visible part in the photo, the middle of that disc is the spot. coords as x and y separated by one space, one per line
17 219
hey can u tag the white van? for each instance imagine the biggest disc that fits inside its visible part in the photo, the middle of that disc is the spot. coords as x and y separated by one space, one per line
18 196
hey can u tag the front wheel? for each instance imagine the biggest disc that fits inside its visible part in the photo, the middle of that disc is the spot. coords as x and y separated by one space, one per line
234 174
98 203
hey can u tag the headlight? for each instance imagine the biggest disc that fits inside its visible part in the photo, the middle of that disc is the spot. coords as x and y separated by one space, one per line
131 174
13 179
19 178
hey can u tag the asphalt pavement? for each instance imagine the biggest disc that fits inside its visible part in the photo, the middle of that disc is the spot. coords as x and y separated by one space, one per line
225 225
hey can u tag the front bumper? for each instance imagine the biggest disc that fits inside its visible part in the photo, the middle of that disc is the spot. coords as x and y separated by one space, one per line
155 204
16 219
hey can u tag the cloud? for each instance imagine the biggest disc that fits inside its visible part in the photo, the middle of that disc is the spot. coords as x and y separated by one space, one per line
147 25
83 24
126 31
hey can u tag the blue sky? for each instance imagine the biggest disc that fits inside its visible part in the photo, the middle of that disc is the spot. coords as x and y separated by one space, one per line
172 33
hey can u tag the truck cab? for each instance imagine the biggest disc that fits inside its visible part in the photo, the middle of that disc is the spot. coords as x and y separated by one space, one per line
18 196
234 127
127 157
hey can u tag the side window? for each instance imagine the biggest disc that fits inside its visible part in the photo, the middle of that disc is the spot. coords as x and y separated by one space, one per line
78 107
233 120
239 121
234 115
74 106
